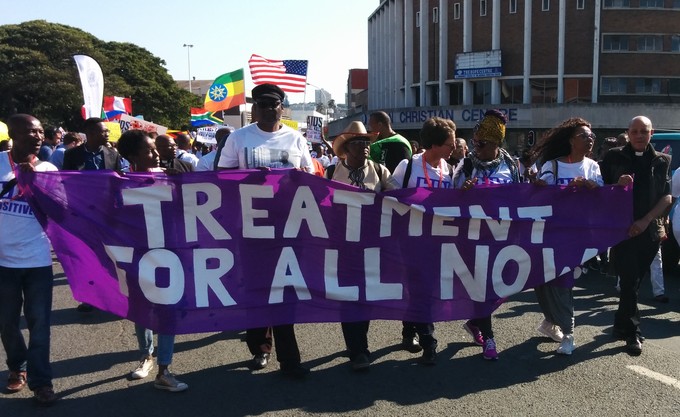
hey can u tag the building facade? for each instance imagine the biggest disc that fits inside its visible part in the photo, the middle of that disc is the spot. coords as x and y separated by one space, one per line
539 61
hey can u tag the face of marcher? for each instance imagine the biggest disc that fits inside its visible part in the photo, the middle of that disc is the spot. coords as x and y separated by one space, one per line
445 150
268 112
356 150
98 135
147 157
486 150
167 148
582 141
28 136
640 133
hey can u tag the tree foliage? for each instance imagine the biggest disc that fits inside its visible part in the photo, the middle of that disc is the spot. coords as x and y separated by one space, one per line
38 76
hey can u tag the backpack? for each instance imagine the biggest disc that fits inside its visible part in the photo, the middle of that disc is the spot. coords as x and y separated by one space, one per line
409 167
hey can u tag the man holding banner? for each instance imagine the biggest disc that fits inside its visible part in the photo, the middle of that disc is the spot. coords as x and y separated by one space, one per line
92 155
25 267
260 145
639 164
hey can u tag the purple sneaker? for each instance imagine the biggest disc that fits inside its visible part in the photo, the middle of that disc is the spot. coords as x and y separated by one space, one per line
490 353
474 333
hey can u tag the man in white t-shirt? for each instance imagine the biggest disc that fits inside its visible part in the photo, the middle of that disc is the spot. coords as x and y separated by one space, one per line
25 267
183 142
269 144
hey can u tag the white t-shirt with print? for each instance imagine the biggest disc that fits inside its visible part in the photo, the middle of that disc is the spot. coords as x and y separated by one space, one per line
440 175
250 147
500 175
567 172
23 244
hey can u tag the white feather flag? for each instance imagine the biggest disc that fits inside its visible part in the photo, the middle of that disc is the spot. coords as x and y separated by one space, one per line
92 80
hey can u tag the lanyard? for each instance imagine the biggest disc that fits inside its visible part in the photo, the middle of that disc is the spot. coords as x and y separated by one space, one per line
427 176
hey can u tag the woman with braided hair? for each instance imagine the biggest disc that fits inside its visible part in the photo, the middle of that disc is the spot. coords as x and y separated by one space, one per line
487 163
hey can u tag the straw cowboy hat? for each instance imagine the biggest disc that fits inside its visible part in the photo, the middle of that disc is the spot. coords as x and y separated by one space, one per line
353 131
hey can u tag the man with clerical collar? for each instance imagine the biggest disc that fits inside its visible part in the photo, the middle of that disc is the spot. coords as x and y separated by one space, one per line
637 163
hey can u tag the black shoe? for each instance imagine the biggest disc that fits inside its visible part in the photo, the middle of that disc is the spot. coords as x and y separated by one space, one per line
429 357
260 361
411 344
662 298
634 346
45 396
296 371
621 335
84 308
361 362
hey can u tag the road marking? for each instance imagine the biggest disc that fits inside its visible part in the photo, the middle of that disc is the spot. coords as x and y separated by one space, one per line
655 375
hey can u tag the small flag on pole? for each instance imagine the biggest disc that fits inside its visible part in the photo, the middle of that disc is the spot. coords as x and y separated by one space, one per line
290 75
203 117
227 91
115 106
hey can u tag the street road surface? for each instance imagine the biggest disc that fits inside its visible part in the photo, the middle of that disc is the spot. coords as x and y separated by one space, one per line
93 354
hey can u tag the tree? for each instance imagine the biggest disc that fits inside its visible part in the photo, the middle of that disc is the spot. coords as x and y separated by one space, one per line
39 76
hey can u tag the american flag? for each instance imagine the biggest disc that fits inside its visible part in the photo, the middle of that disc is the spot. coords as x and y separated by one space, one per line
290 75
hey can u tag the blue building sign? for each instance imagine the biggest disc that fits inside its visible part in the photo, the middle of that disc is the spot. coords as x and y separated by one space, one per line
478 72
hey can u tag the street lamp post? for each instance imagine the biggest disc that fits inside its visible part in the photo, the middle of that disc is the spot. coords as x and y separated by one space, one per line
188 46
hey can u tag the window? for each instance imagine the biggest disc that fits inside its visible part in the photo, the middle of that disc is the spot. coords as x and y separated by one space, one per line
455 94
616 3
647 86
580 4
435 15
545 5
615 43
512 91
675 43
674 86
650 43
612 85
676 4
481 92
513 6
456 11
651 4
417 19
482 7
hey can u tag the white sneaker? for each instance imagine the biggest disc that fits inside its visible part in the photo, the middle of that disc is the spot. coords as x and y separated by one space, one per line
551 330
145 366
567 346
168 382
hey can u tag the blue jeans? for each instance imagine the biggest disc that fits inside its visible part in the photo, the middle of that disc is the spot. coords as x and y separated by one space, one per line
166 344
32 289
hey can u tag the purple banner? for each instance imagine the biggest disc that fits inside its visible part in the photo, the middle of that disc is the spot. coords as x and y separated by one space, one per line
230 250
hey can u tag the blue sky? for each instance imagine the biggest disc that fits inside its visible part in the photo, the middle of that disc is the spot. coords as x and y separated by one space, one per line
332 35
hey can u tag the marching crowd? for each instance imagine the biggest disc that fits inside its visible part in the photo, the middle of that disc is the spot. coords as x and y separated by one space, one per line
377 159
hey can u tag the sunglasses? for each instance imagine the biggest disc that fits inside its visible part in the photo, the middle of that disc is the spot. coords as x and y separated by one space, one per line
360 142
481 143
265 104
584 135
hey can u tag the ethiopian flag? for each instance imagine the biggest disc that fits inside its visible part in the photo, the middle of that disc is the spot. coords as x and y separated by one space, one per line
227 91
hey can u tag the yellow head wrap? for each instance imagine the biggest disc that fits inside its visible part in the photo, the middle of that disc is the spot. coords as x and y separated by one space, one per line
492 127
